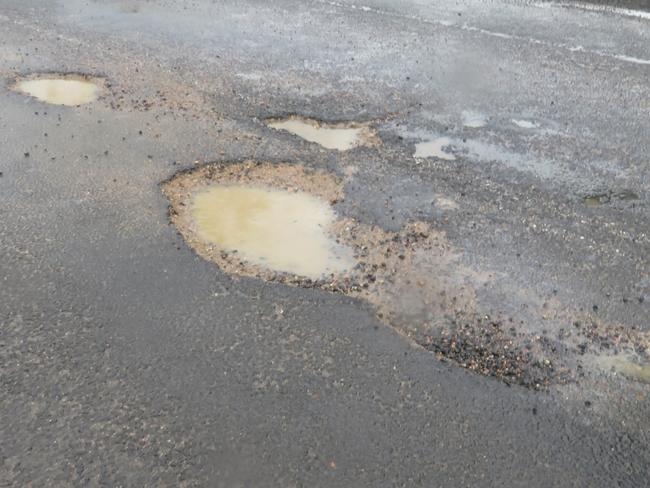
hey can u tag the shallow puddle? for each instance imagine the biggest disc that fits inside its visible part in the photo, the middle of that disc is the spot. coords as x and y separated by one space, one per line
627 367
434 149
282 231
597 199
331 136
474 120
525 124
60 90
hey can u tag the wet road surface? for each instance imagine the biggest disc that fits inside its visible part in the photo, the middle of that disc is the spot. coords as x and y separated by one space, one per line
127 359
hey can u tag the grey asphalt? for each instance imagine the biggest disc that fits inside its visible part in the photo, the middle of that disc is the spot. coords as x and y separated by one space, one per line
127 360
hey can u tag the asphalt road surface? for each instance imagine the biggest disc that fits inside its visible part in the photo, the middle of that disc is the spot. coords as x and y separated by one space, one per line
126 359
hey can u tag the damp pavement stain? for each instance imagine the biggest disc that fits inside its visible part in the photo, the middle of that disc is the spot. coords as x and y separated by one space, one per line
341 137
276 229
475 150
60 90
529 163
130 8
437 148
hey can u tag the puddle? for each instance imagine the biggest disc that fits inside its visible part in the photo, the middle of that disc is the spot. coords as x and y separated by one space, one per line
282 231
331 136
473 120
597 199
476 151
525 124
446 203
627 367
434 149
60 90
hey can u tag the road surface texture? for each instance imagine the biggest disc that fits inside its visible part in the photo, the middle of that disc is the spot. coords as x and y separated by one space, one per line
126 359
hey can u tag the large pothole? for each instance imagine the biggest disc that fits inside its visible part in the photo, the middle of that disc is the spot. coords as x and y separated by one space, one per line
61 89
280 230
240 217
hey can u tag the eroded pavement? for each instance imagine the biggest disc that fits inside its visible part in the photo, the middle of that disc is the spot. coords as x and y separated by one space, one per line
482 176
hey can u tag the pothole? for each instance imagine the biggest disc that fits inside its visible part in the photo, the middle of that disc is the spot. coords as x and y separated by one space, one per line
243 218
597 199
610 196
69 90
626 366
474 120
342 137
525 124
281 230
437 148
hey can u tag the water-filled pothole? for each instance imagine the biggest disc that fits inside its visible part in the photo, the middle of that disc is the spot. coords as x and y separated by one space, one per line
277 229
343 136
626 366
437 148
413 277
610 196
69 90
597 199
474 120
525 124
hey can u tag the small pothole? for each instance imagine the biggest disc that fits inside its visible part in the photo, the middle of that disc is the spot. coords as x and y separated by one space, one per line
525 124
627 366
342 136
610 196
597 199
437 148
474 120
61 89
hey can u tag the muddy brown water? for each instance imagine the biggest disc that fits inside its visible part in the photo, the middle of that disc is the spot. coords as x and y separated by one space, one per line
626 366
69 91
341 137
277 229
